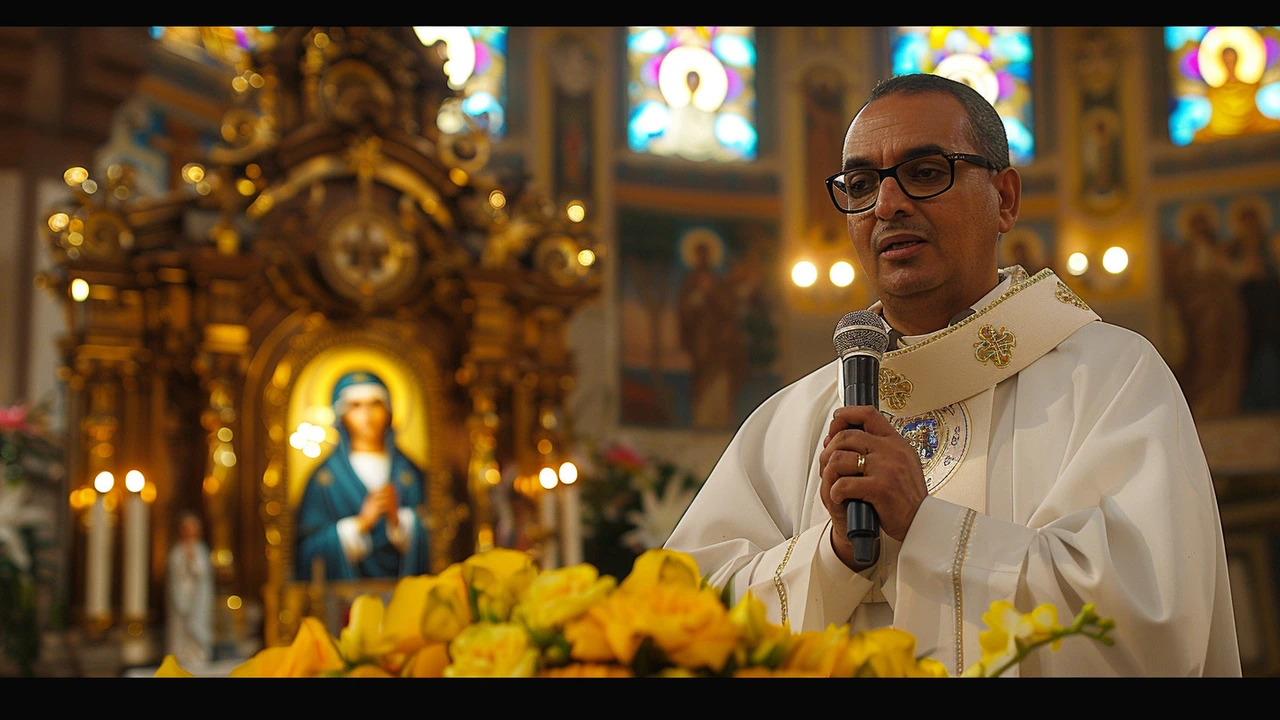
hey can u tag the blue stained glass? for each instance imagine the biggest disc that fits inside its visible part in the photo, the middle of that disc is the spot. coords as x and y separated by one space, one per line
736 133
734 50
1016 48
157 31
1268 99
1020 70
482 103
647 122
1021 143
907 53
1177 36
650 41
1189 115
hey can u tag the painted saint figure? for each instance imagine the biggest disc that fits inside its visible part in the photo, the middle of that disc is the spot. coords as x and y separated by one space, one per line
357 511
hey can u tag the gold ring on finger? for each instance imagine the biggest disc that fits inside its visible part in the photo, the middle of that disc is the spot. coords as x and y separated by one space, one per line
862 463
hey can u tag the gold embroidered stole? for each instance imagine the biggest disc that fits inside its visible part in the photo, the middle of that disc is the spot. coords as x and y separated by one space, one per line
938 393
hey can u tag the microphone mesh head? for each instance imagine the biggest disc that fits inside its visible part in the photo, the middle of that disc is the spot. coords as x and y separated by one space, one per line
861 331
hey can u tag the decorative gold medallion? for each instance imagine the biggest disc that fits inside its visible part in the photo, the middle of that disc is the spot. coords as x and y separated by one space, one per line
1068 296
894 389
940 437
994 345
325 478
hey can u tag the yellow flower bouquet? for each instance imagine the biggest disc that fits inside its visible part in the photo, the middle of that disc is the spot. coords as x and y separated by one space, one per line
497 615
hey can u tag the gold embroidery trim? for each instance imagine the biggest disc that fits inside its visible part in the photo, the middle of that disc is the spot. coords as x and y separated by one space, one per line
777 579
894 389
1068 296
1013 290
995 346
957 597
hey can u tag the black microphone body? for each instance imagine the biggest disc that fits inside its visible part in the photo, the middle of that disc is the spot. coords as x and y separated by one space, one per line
860 376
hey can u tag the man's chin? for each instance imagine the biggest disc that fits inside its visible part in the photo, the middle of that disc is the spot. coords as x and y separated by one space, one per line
904 282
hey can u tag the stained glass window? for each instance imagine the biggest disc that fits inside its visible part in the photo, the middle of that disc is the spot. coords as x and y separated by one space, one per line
995 61
1224 82
691 92
477 66
216 46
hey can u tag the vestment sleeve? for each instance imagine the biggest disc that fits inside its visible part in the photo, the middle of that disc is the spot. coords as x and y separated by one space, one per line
1129 523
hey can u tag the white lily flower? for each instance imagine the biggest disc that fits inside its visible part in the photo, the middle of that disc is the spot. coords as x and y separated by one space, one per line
15 514
657 518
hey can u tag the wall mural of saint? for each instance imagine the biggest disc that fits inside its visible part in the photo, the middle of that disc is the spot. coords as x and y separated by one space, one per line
358 507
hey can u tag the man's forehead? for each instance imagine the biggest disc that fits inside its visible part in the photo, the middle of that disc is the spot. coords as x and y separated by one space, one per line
892 128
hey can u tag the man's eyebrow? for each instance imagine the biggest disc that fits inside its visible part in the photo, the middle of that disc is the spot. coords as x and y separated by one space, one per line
859 162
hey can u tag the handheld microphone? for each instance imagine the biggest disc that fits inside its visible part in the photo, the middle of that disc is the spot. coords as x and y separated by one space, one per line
861 340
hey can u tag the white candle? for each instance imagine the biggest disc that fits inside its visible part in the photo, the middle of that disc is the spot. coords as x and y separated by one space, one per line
135 557
97 594
571 525
547 512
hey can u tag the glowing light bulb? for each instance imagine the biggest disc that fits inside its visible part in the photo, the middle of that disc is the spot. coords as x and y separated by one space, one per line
79 290
133 481
104 482
1077 264
804 273
1115 260
841 274
586 258
568 473
547 478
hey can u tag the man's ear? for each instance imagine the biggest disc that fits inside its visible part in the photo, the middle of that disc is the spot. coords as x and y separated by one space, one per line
1008 184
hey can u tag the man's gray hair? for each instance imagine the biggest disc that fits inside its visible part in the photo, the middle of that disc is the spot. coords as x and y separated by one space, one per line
985 126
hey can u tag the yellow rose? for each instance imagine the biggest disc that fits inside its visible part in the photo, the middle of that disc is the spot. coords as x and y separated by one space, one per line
500 578
362 639
312 653
557 596
367 670
884 652
928 667
446 611
587 640
171 668
402 619
430 661
760 642
818 650
662 566
588 670
492 650
690 627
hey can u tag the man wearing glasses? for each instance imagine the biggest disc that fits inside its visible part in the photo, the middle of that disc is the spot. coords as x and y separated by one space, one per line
1023 450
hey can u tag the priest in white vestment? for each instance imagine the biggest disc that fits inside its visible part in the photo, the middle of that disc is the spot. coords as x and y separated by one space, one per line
1024 451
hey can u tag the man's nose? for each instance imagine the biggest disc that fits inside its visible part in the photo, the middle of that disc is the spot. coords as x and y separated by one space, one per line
892 200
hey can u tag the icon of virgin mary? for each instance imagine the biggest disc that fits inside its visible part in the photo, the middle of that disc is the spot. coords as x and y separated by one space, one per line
357 510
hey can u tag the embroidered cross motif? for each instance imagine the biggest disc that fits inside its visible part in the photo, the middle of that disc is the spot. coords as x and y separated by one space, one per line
1068 296
996 346
894 389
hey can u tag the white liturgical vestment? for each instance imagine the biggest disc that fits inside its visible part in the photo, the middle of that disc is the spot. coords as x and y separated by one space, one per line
1062 466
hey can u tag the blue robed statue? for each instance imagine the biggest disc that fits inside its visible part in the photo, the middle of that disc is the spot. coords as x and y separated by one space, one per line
357 511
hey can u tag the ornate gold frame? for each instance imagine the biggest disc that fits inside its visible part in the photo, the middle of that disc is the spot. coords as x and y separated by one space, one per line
288 599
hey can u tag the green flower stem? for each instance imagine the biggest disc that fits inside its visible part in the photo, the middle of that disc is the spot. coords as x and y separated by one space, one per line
1086 619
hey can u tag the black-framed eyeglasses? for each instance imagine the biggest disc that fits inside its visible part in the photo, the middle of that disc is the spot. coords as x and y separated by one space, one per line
855 191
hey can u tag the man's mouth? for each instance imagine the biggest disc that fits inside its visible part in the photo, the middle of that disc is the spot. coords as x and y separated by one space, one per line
900 246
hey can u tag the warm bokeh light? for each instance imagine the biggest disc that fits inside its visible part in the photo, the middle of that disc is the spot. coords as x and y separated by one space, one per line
89 186
458 176
547 478
134 481
246 187
148 493
79 290
224 434
234 602
311 450
1115 260
804 273
104 482
1077 264
58 221
841 274
586 258
74 176
492 476
568 473
240 84
497 199
193 172
544 446
576 211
